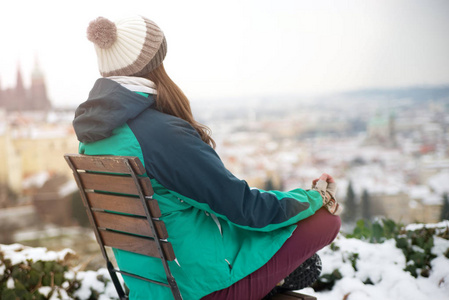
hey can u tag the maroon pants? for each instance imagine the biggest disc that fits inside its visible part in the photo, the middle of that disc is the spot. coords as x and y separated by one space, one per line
311 235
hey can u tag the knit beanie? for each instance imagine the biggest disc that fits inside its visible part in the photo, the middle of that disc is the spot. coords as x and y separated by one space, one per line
131 46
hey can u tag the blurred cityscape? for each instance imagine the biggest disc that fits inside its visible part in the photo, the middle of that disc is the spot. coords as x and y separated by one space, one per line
388 149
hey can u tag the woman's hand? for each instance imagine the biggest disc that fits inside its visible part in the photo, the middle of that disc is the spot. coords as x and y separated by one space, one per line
327 187
326 177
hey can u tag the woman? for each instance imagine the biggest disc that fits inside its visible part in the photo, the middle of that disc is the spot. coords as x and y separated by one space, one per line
245 240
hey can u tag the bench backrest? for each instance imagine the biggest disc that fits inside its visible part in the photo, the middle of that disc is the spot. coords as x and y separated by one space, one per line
119 203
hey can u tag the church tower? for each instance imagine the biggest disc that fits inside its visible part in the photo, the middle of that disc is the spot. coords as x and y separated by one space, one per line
38 99
20 98
392 130
20 94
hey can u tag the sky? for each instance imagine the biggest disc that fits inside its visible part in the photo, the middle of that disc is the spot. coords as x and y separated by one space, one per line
239 48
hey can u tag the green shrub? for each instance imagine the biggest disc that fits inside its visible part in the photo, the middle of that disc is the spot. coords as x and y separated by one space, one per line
40 279
416 245
34 280
417 248
377 231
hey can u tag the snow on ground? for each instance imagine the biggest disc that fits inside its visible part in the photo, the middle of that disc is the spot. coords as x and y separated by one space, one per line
357 261
18 253
90 282
441 225
383 264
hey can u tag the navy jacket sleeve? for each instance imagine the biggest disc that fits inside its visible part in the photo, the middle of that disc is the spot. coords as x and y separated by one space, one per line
176 157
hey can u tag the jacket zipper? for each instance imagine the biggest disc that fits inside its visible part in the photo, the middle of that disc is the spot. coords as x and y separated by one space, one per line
229 264
214 217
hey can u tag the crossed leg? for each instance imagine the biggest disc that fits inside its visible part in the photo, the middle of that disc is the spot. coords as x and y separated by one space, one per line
311 235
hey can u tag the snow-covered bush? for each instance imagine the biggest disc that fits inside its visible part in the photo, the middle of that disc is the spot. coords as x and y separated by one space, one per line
379 260
28 273
385 260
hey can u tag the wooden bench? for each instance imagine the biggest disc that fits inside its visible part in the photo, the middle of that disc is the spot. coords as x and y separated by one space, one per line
292 296
119 204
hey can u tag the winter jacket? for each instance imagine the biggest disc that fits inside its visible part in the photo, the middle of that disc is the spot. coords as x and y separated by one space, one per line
220 228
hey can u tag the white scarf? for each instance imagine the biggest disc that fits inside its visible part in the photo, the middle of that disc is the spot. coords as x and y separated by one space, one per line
136 84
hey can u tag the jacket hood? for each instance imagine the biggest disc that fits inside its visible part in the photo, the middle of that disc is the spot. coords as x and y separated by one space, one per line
109 106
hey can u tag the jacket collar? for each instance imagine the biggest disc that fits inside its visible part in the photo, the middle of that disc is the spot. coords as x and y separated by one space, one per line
109 106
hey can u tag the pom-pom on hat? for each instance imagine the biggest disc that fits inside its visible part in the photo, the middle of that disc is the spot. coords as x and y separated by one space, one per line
132 46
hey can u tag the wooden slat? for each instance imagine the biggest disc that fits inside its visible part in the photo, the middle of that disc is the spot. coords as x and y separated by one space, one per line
115 183
136 244
114 164
124 204
97 182
130 224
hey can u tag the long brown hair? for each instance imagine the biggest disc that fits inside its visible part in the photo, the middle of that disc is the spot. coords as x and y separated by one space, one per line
171 100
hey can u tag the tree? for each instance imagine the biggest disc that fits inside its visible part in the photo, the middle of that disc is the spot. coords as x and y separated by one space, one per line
366 205
79 212
350 207
445 208
269 185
